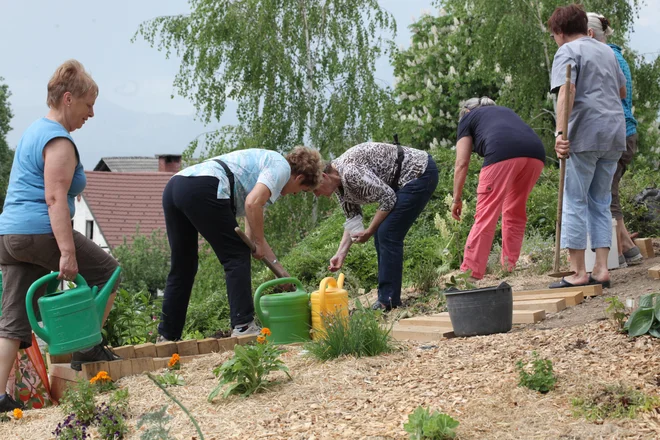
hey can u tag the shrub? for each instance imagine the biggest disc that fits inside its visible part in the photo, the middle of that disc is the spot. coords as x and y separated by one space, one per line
133 319
361 334
246 372
79 401
613 401
541 378
424 425
145 262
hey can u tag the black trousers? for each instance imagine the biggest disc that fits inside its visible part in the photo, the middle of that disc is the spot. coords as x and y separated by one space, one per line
191 206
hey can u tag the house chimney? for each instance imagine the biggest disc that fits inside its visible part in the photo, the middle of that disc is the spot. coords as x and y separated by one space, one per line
169 163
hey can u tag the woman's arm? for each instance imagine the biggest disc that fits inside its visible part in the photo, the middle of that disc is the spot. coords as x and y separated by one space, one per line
59 166
463 152
364 236
254 214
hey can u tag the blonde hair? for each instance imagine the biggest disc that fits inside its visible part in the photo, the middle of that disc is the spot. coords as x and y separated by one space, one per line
472 104
306 162
70 77
600 25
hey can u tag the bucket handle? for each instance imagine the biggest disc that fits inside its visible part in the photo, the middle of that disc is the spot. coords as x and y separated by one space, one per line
51 280
268 284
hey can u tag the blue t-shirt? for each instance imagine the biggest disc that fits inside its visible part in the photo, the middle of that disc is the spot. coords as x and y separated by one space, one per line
249 167
631 122
499 134
25 210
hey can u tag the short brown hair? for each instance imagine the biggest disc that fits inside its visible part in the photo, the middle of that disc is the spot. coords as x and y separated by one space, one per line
70 77
306 162
568 20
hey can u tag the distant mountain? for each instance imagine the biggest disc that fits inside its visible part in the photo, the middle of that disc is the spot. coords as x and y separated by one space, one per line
116 131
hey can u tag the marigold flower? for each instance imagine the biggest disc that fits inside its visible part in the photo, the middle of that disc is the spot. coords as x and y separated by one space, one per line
265 331
261 339
174 360
18 414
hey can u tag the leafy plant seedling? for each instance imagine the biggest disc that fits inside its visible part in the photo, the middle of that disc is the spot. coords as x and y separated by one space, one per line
423 425
541 378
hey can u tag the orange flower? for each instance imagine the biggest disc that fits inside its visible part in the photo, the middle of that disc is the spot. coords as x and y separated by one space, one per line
261 339
18 414
174 360
101 376
265 331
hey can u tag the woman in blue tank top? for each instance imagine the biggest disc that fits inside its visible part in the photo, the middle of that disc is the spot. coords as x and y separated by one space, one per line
36 235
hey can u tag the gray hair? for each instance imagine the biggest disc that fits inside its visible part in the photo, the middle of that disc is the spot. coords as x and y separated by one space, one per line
474 103
600 26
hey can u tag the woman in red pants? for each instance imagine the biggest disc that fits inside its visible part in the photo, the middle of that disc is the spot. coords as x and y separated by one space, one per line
514 157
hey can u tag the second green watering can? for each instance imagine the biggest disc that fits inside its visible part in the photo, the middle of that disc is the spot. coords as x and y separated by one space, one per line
287 315
71 318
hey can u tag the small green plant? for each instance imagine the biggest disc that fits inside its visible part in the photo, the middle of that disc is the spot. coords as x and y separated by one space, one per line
613 401
362 333
541 378
79 400
646 318
424 425
246 371
170 379
616 311
461 281
133 319
181 405
453 234
156 425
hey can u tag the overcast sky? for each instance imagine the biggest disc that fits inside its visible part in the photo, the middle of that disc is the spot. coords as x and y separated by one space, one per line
37 35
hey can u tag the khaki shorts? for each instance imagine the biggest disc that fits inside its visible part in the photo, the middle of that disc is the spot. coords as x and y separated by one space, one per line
26 258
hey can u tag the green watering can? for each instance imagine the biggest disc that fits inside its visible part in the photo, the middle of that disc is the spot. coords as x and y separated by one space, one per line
287 315
71 318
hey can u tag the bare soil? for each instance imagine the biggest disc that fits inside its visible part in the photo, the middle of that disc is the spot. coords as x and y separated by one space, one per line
472 379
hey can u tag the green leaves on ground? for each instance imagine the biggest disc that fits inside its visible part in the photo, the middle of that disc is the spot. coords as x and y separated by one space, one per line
423 425
646 319
536 375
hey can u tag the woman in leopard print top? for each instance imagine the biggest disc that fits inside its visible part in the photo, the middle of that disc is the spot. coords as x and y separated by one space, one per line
365 174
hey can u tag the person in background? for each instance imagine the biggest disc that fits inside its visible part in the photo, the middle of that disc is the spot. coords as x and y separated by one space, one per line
629 253
596 139
401 180
36 236
205 199
514 157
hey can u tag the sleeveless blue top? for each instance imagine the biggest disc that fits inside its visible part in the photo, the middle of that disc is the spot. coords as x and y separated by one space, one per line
25 210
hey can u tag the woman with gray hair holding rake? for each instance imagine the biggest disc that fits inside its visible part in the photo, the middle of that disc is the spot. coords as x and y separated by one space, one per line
513 160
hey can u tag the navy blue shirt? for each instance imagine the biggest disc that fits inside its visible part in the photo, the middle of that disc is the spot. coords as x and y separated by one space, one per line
498 134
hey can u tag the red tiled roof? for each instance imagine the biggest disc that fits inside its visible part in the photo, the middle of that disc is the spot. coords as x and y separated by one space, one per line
121 201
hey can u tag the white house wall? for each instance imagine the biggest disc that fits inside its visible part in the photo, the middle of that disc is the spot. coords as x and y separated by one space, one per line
80 218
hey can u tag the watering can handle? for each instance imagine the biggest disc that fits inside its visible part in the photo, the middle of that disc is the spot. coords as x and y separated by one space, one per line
268 284
325 283
46 279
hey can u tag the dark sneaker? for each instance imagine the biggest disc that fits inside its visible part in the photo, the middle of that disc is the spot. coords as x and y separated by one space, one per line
97 353
8 404
380 306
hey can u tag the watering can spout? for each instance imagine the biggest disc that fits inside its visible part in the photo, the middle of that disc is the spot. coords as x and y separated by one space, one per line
101 299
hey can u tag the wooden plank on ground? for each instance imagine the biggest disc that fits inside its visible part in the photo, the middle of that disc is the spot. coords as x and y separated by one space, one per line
654 272
140 365
519 316
64 371
549 305
424 321
187 348
571 298
645 245
145 351
125 352
208 345
126 367
227 344
58 385
587 291
91 369
244 340
160 363
114 369
57 359
166 349
420 333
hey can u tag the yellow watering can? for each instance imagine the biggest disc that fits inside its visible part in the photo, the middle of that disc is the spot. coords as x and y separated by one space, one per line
331 298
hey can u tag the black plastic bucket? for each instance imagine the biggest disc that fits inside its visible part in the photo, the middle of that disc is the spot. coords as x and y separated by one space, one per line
480 311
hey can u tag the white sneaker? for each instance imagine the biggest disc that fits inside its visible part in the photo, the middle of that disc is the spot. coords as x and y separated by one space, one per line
161 338
249 329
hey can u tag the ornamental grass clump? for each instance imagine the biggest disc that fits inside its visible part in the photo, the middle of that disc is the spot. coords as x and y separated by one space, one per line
246 372
362 333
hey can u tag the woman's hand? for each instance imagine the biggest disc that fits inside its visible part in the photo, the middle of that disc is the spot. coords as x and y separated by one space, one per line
562 147
261 248
457 209
362 237
336 262
68 267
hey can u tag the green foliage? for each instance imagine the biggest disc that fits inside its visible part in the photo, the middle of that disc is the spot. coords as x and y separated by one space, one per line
613 401
461 281
79 400
453 235
145 262
6 154
181 405
616 311
155 423
646 319
539 377
111 417
424 425
363 333
133 319
246 371
170 379
646 100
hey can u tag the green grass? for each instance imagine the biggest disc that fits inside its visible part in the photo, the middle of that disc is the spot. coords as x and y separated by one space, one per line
613 402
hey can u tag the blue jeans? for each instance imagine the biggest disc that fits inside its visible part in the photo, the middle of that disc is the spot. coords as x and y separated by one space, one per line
587 198
411 200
